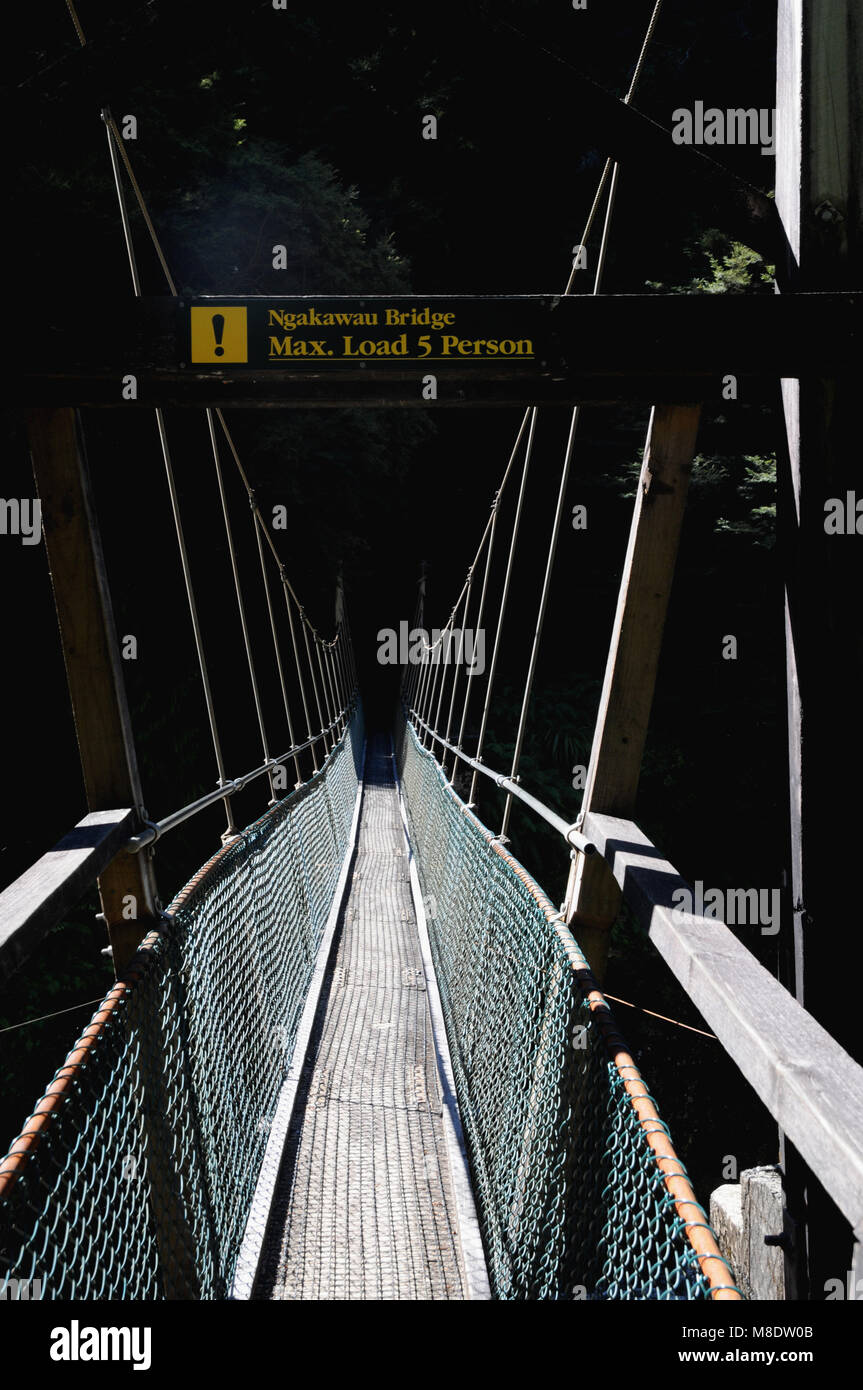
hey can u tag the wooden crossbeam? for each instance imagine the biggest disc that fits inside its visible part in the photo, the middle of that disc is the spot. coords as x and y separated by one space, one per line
412 350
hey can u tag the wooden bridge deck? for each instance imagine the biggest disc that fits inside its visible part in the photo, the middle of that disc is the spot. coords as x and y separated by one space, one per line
367 1203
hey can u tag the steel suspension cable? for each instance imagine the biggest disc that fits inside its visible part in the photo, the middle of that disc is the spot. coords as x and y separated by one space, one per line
231 829
504 597
610 163
457 649
334 682
276 647
344 658
425 671
289 592
324 691
142 206
565 471
305 628
73 15
492 528
116 143
238 590
438 661
488 535
451 709
306 713
433 649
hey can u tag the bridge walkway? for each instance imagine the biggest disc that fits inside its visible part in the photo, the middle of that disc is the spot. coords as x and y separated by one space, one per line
367 1203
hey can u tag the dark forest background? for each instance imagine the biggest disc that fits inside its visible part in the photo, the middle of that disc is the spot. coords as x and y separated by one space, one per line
303 127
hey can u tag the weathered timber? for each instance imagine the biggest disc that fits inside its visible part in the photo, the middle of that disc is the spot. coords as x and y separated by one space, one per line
90 650
819 193
592 898
37 900
756 1234
545 349
807 1081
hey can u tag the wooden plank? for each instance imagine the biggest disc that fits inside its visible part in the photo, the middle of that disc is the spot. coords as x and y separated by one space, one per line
93 669
806 1080
37 900
630 675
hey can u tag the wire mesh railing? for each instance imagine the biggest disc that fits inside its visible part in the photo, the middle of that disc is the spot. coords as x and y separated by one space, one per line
579 1190
134 1175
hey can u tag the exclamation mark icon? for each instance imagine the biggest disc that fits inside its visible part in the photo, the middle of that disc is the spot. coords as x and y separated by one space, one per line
219 333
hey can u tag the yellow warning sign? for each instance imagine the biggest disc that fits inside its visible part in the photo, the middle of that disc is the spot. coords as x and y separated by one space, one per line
220 334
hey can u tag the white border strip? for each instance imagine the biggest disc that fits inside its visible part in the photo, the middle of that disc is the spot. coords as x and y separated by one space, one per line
265 1188
475 1269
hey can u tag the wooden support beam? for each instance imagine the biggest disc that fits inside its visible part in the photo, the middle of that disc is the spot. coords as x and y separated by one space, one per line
127 885
806 1080
819 196
37 900
493 350
592 898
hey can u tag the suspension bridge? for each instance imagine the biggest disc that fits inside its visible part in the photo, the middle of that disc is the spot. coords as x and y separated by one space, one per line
361 1054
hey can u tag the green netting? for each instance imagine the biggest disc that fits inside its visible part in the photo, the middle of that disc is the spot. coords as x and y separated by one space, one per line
570 1196
140 1183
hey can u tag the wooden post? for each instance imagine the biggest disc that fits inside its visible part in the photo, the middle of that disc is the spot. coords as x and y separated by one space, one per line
107 749
593 897
127 885
819 191
755 1234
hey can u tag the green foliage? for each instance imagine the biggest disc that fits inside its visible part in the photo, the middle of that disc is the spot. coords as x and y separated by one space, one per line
758 485
722 266
221 232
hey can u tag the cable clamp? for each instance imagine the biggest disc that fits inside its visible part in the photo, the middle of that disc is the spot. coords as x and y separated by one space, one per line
148 835
574 837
